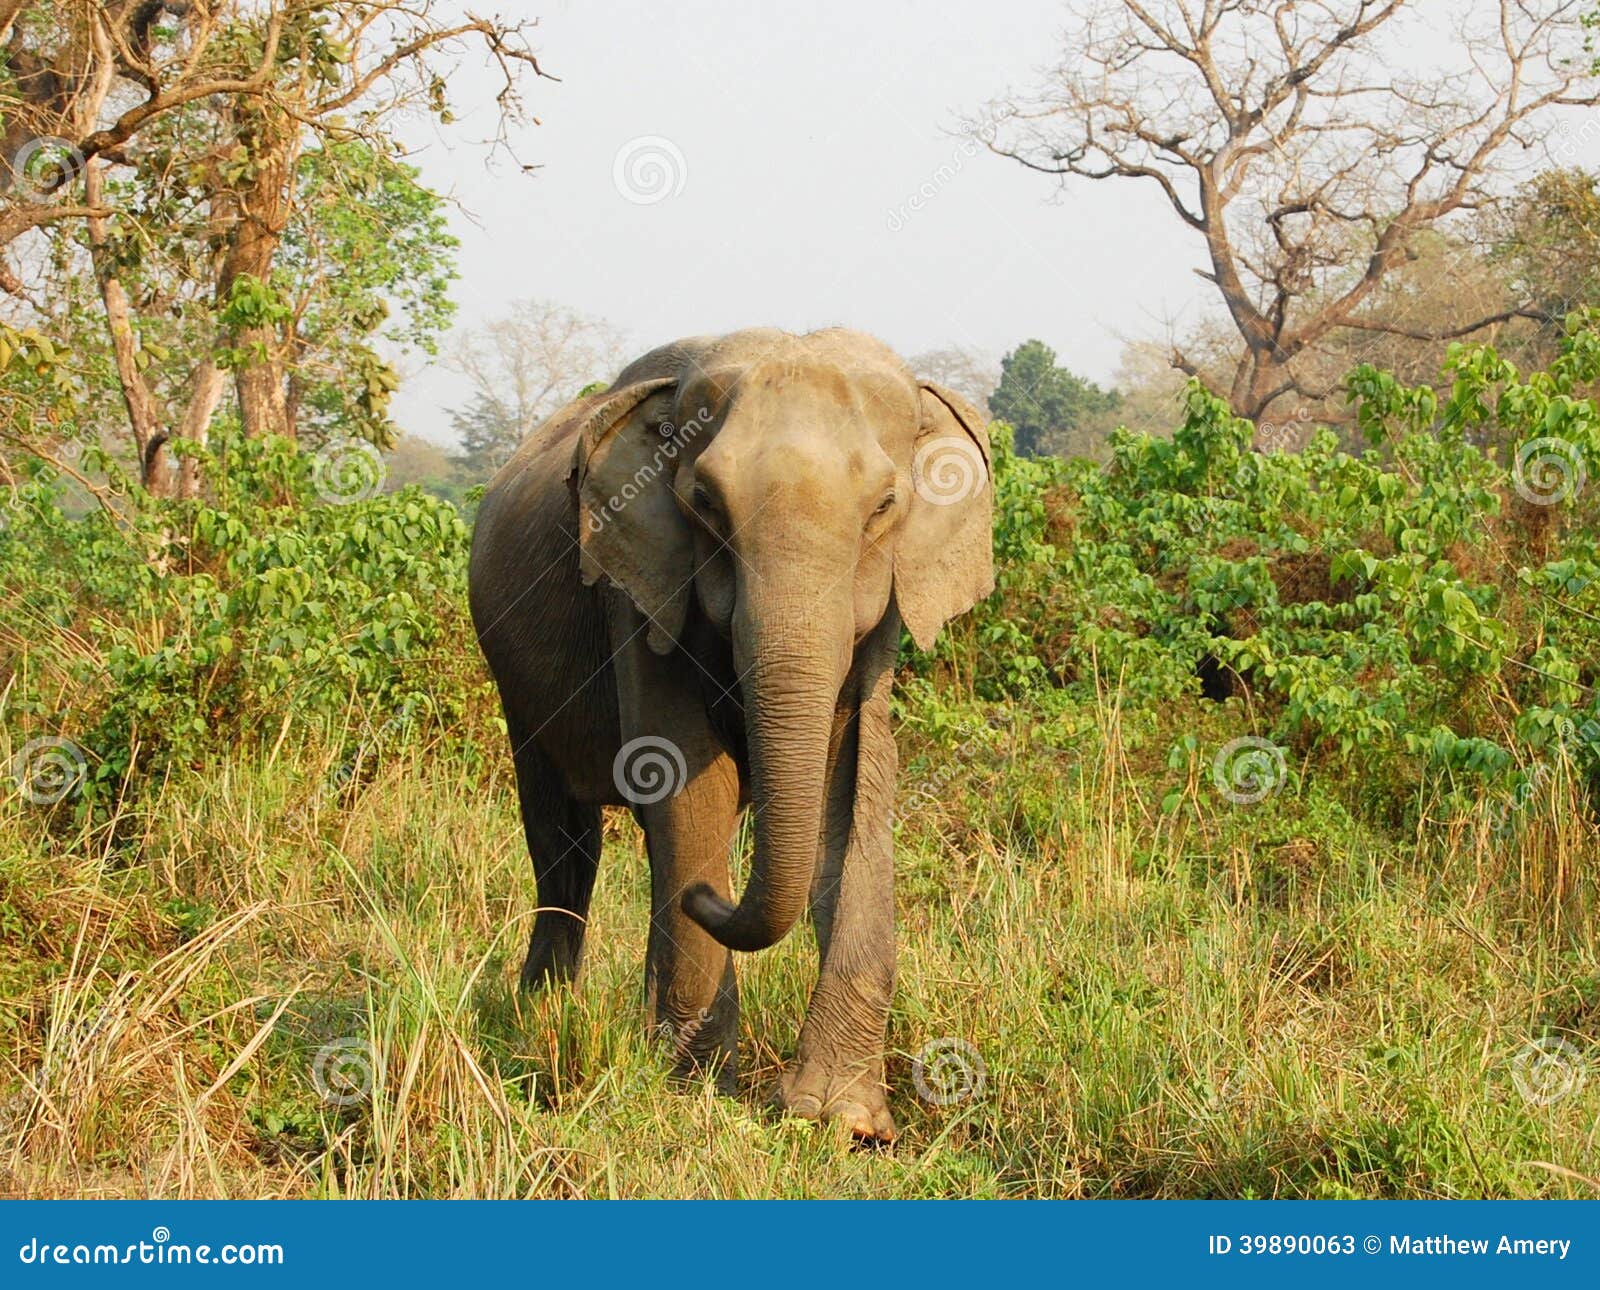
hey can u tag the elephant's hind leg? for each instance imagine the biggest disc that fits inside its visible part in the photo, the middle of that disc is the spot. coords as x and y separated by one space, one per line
564 843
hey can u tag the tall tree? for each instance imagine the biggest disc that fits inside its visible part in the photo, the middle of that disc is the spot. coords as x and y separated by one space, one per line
1046 404
215 163
971 374
521 368
1546 238
1305 163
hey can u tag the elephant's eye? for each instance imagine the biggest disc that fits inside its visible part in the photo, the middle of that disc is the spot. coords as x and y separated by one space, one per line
885 505
702 499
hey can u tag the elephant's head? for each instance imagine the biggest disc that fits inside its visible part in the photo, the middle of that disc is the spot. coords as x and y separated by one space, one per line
794 487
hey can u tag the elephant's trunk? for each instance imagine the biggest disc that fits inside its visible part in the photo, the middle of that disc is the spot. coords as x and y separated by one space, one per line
793 669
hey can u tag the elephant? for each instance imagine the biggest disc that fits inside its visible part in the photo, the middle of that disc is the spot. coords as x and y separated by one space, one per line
689 588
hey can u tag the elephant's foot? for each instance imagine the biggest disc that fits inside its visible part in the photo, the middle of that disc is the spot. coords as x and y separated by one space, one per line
695 1055
857 1101
554 953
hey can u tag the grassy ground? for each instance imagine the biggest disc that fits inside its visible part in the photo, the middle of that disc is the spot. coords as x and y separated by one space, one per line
246 985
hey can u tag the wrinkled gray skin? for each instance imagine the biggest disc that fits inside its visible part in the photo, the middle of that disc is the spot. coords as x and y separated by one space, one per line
719 552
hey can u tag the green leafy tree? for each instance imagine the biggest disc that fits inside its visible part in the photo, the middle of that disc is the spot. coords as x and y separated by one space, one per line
1547 239
1047 405
220 195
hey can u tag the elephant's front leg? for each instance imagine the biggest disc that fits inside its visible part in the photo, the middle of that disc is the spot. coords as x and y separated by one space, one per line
837 1074
689 981
685 791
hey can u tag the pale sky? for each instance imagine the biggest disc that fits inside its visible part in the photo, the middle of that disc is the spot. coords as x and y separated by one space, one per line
803 131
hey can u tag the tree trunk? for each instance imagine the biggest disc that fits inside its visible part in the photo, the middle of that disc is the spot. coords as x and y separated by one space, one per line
262 212
205 393
144 419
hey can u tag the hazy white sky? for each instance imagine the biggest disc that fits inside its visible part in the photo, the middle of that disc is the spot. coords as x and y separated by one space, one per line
795 137
804 131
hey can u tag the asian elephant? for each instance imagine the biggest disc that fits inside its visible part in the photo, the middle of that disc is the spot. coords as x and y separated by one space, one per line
689 588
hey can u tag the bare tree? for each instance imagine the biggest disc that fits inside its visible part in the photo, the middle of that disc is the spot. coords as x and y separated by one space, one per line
969 372
520 369
1304 161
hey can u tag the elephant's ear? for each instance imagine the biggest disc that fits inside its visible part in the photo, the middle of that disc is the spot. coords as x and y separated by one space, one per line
629 528
944 563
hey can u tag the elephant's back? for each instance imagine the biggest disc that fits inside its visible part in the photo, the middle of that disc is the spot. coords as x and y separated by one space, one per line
542 631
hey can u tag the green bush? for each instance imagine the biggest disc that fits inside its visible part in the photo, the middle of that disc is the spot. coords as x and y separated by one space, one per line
153 632
1426 612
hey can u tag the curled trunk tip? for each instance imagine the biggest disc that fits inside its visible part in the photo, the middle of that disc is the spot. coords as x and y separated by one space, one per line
723 921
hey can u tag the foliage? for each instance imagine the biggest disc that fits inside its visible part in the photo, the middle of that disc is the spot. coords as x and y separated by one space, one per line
1044 403
368 258
152 633
1547 239
299 829
1421 614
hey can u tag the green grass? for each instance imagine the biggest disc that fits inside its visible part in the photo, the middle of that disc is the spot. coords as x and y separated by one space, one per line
1211 1000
